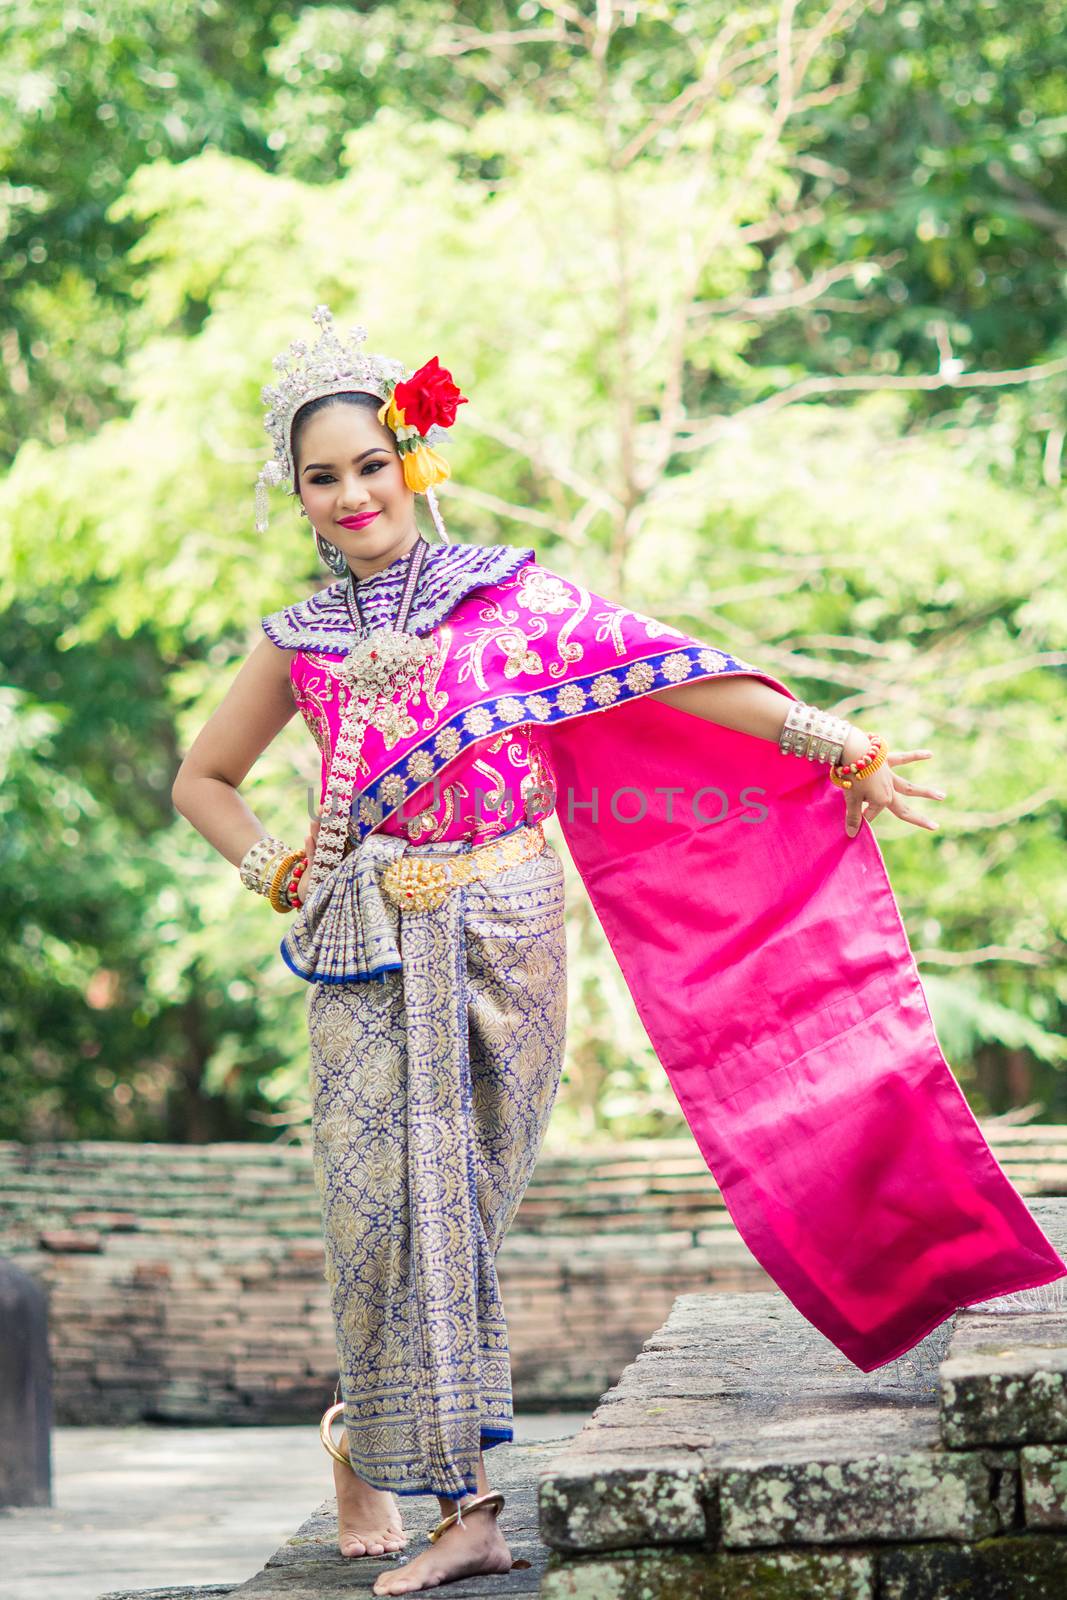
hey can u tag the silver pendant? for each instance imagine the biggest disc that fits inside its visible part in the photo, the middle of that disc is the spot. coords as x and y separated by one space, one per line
383 662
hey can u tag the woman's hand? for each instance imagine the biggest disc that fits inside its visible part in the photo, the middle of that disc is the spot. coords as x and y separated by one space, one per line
309 851
884 790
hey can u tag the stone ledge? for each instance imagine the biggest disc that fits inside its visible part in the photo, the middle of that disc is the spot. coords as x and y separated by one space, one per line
740 1429
309 1566
1043 1471
1004 1381
204 1591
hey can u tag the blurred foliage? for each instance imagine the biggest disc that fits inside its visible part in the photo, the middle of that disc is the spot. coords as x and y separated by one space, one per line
769 341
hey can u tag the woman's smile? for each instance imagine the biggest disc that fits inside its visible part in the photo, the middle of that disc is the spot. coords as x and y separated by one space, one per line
359 521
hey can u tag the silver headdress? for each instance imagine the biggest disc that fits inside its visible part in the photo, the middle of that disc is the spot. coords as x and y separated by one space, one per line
331 366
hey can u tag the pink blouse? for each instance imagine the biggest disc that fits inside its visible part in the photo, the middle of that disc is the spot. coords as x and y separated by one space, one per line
485 792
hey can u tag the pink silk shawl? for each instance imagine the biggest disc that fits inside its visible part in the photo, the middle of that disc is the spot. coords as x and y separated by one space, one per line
764 950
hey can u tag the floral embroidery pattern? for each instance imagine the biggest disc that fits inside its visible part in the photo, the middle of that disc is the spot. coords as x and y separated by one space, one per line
611 628
420 765
605 689
675 667
571 699
714 660
543 592
478 720
447 743
640 677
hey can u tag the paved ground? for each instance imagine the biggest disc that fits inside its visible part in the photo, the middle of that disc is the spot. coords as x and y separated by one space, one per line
148 1506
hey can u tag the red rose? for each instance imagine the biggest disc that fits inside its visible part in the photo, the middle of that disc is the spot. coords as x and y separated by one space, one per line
429 396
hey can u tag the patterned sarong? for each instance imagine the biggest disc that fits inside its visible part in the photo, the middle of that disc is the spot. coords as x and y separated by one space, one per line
431 1091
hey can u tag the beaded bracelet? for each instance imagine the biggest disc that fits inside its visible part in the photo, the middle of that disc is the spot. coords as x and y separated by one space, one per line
290 887
280 876
877 752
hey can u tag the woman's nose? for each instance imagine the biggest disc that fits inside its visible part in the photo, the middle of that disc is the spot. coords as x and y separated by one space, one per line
353 493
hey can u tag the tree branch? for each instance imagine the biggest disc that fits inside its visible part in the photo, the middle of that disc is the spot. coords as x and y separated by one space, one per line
989 952
713 428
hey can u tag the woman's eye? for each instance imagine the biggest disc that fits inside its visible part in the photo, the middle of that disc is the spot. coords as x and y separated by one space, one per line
327 477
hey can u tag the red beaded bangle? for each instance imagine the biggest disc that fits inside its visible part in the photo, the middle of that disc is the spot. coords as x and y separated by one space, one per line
873 746
877 751
297 874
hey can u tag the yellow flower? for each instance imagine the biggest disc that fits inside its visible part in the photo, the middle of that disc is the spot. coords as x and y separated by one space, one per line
390 414
424 467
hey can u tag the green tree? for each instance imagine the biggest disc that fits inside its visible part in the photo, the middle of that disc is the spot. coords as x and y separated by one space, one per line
724 367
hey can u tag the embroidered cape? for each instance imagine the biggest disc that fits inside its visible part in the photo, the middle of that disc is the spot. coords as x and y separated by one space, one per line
764 949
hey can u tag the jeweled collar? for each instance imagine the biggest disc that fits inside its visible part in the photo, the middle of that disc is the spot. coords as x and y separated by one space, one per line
450 572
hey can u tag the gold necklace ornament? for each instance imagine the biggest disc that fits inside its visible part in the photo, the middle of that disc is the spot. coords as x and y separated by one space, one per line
382 667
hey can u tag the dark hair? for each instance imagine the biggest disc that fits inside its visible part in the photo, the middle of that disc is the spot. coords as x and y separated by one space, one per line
349 397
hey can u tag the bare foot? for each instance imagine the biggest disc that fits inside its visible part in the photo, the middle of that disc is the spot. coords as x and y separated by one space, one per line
368 1520
461 1552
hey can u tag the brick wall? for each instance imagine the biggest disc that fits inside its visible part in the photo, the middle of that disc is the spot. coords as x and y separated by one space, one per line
186 1281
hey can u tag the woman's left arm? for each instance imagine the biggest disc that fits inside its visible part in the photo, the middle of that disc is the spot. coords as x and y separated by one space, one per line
743 703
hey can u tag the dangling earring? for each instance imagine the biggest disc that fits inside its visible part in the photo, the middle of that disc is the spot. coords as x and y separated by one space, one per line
332 557
435 513
329 554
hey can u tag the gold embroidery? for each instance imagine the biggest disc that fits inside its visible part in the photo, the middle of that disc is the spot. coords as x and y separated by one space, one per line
542 591
447 743
436 702
394 722
495 796
605 689
420 765
639 677
611 628
314 716
570 651
478 720
516 644
675 667
424 825
571 699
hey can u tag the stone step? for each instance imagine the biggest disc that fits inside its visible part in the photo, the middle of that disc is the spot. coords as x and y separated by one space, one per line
741 1448
1004 1378
309 1566
204 1591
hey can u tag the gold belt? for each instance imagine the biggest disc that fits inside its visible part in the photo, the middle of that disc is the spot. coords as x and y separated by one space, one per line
418 883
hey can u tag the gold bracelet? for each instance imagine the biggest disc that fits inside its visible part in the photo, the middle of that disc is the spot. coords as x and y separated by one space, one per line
283 868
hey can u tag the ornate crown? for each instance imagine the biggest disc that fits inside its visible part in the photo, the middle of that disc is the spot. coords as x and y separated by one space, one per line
331 366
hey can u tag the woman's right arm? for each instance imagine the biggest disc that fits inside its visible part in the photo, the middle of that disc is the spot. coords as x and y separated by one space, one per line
255 709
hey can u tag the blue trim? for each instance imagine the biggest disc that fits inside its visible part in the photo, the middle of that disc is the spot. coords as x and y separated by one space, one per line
547 700
354 977
489 1437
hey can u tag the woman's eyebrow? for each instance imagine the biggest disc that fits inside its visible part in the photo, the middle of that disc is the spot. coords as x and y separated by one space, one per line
329 464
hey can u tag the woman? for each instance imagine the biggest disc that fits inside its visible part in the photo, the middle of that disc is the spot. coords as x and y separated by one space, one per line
459 695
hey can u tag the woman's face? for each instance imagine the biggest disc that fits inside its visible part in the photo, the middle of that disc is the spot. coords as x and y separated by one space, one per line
348 471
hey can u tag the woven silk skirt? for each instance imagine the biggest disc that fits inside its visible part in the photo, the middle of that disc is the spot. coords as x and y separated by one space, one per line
431 1092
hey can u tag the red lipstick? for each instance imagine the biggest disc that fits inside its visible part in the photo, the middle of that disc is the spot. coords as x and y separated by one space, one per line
357 522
